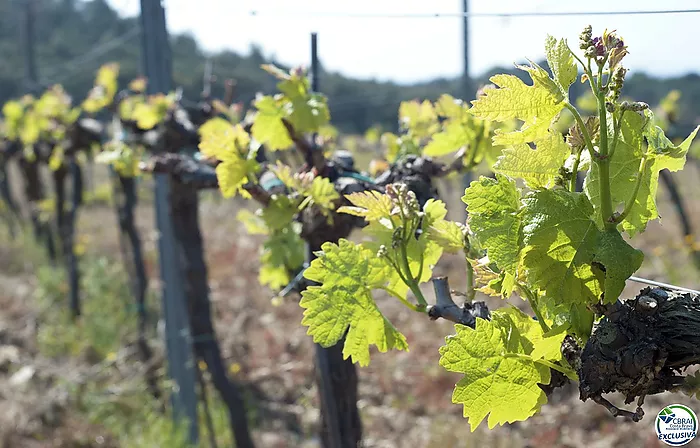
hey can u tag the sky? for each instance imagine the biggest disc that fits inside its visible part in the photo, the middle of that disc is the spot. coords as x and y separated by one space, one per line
407 50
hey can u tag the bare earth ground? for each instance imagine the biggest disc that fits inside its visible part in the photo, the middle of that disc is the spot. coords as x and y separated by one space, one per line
404 396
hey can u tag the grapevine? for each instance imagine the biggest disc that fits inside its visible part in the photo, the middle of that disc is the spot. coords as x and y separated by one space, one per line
560 249
533 230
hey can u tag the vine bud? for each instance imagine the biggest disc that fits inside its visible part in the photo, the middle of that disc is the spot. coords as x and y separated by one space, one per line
382 252
397 237
599 47
639 106
585 38
565 173
403 200
636 106
297 72
590 52
610 107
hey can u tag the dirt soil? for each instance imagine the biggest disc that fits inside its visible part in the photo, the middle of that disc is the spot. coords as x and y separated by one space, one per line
405 397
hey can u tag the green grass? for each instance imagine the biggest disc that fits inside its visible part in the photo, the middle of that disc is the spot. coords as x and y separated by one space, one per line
120 404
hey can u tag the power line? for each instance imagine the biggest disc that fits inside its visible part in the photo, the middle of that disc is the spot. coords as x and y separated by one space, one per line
442 15
76 64
662 285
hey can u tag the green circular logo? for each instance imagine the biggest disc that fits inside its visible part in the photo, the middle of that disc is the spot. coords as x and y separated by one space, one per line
676 425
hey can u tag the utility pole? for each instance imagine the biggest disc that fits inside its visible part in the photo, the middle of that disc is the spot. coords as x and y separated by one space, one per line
314 72
329 407
466 80
207 80
157 65
28 39
336 378
467 89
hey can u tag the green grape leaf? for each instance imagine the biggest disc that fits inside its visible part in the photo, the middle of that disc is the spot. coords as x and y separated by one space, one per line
422 253
232 175
576 317
538 167
500 378
305 110
565 253
254 224
282 253
624 168
371 205
219 137
229 144
279 212
309 113
493 206
454 136
560 239
322 193
316 190
273 276
447 234
393 146
419 119
448 107
532 341
268 127
515 99
150 113
613 251
536 105
488 281
343 301
285 175
106 85
13 110
561 62
123 158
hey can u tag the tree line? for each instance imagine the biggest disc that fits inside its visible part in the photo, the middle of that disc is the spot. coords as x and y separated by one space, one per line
71 37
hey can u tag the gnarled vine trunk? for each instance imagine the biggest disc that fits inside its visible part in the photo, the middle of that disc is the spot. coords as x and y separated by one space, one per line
12 214
126 200
34 194
642 345
65 223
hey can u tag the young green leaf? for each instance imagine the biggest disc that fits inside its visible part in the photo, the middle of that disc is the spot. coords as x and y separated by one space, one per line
418 118
280 212
532 341
561 62
537 167
282 253
500 377
612 251
268 127
454 136
371 205
562 243
493 206
347 272
305 110
535 105
630 155
447 234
